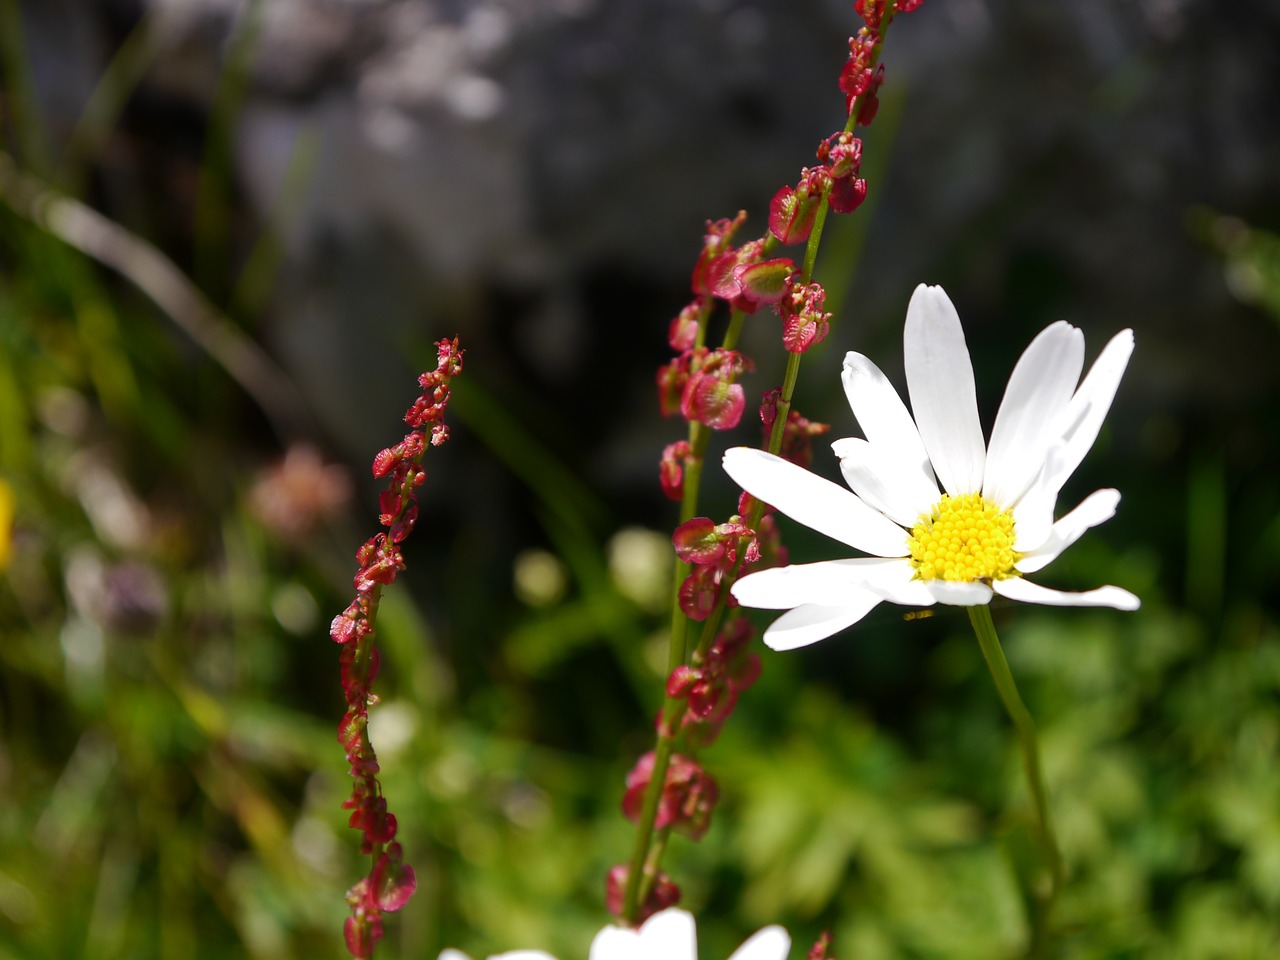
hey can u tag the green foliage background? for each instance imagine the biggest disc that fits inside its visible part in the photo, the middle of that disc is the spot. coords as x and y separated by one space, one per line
171 782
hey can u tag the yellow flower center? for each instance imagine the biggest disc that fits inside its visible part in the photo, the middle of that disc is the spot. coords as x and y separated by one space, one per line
966 538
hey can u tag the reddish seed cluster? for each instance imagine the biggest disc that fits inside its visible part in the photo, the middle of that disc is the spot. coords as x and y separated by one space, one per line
713 549
711 683
664 893
803 321
688 795
797 435
739 275
391 882
702 385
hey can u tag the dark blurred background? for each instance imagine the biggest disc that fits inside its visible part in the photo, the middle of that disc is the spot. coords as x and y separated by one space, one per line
345 182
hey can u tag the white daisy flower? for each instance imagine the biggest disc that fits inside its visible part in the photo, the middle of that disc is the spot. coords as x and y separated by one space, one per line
945 518
667 935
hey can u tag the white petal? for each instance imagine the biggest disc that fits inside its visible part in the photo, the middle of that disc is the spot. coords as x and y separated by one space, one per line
1033 513
827 582
809 499
771 943
884 418
940 383
1016 588
669 933
1098 507
958 593
1038 392
899 585
876 474
1088 408
523 955
810 623
451 954
615 943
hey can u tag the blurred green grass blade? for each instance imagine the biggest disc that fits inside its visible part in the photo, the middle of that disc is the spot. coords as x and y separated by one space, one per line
102 110
20 100
214 193
1206 534
574 511
15 436
254 285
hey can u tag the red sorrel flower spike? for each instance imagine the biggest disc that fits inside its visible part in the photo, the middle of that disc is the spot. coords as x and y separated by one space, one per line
390 881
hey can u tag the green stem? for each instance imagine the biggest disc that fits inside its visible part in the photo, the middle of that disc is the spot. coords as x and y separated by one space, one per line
980 617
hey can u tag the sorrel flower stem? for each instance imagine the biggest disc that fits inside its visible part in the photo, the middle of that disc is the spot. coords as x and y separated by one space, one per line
390 881
1046 839
642 871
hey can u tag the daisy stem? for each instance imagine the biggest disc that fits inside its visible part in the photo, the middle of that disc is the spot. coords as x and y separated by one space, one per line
984 627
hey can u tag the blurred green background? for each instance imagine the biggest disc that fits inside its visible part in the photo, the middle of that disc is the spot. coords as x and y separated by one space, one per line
183 484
